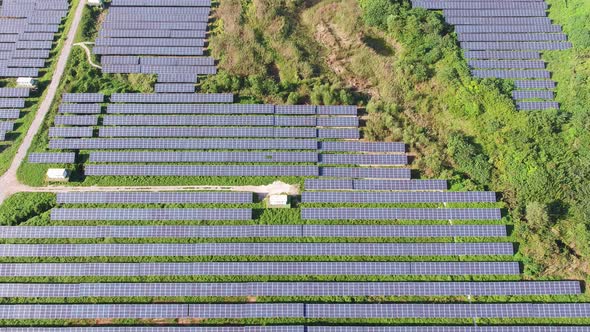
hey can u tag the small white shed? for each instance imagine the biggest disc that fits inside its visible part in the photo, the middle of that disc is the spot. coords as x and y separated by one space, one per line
26 82
278 201
57 174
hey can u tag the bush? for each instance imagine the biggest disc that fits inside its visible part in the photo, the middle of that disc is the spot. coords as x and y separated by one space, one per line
20 207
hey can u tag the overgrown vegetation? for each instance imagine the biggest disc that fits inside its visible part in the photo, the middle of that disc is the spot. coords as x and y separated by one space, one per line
405 66
22 207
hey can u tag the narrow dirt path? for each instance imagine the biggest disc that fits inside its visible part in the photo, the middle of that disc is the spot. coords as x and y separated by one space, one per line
88 54
8 182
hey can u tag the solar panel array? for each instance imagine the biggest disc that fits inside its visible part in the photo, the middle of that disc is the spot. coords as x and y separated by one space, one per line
77 214
507 31
152 197
314 328
400 214
52 158
27 32
397 197
157 38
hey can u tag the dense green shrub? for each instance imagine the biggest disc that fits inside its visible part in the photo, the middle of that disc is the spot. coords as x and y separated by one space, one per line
20 207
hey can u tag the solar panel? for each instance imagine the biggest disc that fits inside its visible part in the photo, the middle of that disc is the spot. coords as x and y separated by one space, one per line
496 64
397 197
19 72
338 133
143 50
498 37
364 159
34 54
249 231
368 173
82 98
184 144
150 214
337 110
159 3
80 108
12 103
178 61
196 70
505 310
498 20
352 146
174 42
502 55
6 126
221 157
532 94
249 328
536 105
119 60
33 45
14 92
256 249
33 63
295 109
535 84
507 28
187 120
429 4
153 197
295 121
153 33
145 25
174 88
533 73
400 185
52 158
189 109
403 214
9 114
89 311
511 13
479 328
123 69
206 132
172 98
76 120
338 121
260 269
70 132
176 170
544 46
177 78
2 135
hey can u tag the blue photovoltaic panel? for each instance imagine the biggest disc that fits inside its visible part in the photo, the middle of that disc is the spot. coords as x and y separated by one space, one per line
145 25
402 185
177 78
368 173
540 84
338 121
536 105
9 114
502 55
511 37
189 109
184 144
544 46
160 3
123 69
144 50
180 42
389 147
12 103
206 132
178 61
52 158
19 72
6 126
503 328
14 92
143 12
498 20
295 109
295 121
119 60
543 28
153 197
400 214
291 289
250 231
532 94
196 70
33 63
497 64
33 44
153 33
150 214
80 108
174 88
187 120
256 249
364 159
221 157
82 98
337 110
176 170
338 133
260 269
397 197
76 120
172 98
25 54
70 132
533 73
430 4
494 13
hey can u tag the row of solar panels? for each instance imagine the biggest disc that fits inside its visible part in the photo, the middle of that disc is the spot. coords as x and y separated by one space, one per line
257 249
200 34
143 69
246 132
11 101
314 328
397 197
259 269
210 120
430 4
252 231
397 185
294 310
149 98
93 108
510 37
191 170
79 214
26 34
226 144
156 61
86 290
161 3
247 157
